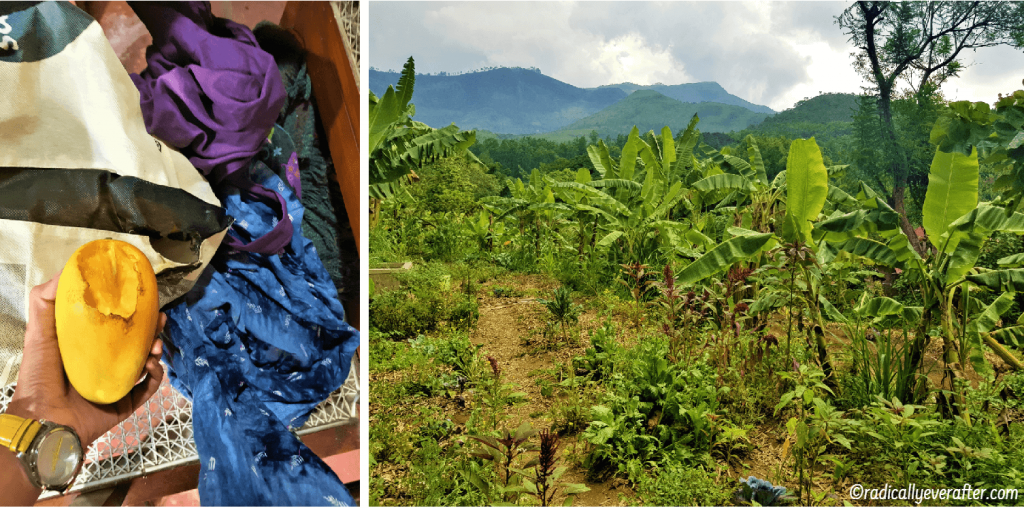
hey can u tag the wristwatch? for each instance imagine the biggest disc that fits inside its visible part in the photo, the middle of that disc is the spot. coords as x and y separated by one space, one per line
51 454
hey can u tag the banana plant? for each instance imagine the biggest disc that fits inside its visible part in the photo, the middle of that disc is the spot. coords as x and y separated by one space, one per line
806 181
957 226
398 144
637 195
530 202
485 230
997 134
741 187
579 198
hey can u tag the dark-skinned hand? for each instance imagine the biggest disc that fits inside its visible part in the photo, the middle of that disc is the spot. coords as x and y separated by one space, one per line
43 390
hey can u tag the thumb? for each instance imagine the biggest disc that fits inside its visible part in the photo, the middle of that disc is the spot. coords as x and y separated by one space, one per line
42 354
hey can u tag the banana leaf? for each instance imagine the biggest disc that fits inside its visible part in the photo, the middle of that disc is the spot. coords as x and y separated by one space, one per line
984 323
952 192
807 188
724 255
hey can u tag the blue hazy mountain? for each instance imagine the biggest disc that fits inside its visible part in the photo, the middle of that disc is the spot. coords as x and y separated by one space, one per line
506 100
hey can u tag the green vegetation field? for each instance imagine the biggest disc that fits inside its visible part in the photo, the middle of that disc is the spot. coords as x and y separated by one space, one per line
653 321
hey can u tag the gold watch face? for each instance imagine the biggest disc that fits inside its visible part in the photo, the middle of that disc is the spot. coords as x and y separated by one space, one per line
59 454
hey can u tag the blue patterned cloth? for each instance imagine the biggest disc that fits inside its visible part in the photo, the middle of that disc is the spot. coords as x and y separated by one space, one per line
257 344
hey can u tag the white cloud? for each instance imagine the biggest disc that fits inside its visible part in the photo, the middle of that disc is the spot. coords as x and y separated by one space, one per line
829 70
772 53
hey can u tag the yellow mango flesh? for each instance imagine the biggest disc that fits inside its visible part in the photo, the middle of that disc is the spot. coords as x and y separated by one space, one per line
107 309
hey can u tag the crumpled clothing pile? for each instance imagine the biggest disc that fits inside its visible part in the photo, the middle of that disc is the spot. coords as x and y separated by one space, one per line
261 339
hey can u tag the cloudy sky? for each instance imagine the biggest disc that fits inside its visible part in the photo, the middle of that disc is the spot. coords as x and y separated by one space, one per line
773 53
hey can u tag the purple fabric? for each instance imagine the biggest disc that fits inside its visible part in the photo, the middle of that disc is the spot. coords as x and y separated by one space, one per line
291 171
212 93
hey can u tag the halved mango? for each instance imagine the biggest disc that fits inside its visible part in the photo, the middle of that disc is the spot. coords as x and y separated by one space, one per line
107 310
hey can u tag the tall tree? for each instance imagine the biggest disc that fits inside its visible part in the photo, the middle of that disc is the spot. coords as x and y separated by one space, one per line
921 44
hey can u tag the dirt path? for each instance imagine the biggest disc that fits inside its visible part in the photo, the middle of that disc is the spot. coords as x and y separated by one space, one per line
511 329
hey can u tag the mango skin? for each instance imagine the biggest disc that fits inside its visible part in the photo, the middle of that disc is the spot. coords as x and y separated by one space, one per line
107 309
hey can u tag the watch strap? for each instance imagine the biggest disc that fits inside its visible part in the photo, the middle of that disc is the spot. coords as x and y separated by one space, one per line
17 433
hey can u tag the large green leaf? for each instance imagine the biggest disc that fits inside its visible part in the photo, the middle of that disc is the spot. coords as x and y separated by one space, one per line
601 160
724 182
985 220
1012 335
668 150
756 161
739 166
842 227
609 239
982 323
875 251
1012 261
769 301
841 200
669 201
830 310
952 192
968 234
879 308
1000 280
627 163
687 142
389 109
724 255
807 187
964 257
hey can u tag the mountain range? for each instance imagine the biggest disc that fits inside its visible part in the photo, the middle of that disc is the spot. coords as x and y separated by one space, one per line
526 102
650 110
509 101
705 91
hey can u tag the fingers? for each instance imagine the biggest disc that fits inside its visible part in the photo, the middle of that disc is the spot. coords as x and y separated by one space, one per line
42 354
148 387
158 343
41 309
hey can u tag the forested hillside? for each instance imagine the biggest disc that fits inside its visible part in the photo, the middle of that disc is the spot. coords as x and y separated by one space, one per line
705 91
507 101
650 110
827 115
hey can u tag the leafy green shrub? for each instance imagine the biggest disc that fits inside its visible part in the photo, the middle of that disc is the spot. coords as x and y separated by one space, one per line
446 242
425 302
655 412
389 355
521 259
452 350
401 314
1014 384
438 477
597 360
563 310
588 277
893 438
677 485
464 314
505 292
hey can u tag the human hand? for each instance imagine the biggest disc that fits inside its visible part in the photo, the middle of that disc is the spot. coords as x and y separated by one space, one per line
43 390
